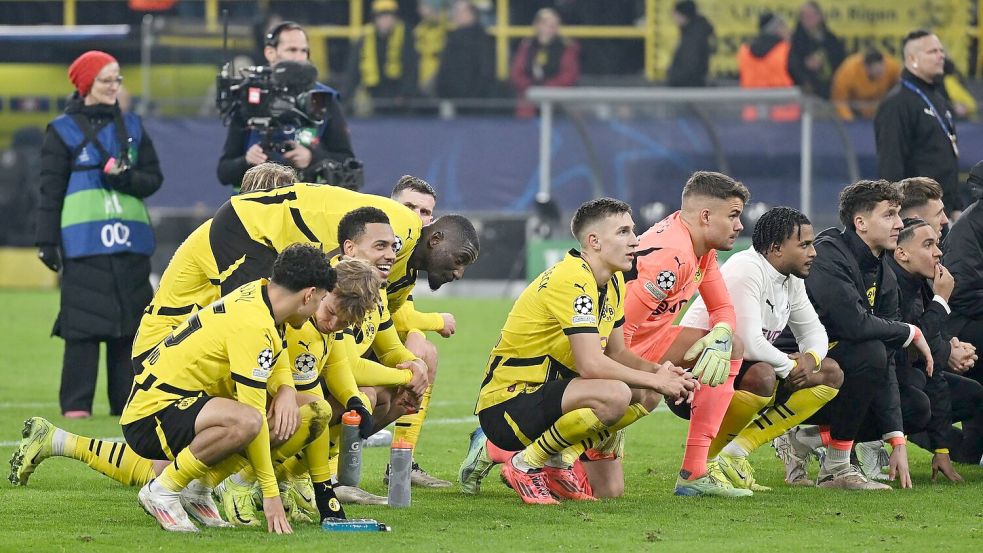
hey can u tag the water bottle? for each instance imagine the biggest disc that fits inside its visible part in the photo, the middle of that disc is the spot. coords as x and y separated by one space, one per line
401 463
350 460
353 525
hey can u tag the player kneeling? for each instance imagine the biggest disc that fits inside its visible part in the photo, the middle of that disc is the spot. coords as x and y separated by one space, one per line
768 293
561 380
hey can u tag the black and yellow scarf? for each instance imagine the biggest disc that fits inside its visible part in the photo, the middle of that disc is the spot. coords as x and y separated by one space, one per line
394 55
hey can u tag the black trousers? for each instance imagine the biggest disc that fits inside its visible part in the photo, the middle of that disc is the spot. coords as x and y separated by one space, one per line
80 367
969 330
966 398
867 393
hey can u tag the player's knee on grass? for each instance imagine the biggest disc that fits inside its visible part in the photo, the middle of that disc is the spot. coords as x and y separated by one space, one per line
830 373
759 379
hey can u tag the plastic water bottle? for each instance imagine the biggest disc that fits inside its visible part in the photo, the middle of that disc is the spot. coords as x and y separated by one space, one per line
401 463
353 525
350 461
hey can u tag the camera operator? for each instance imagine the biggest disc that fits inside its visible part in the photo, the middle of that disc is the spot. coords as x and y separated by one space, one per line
287 42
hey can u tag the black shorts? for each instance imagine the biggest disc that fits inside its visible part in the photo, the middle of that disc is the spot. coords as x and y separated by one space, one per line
165 433
229 242
532 413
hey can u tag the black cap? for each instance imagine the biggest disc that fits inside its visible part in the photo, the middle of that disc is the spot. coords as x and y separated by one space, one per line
764 19
686 8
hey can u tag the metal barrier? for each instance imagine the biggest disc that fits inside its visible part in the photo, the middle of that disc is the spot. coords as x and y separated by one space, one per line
549 98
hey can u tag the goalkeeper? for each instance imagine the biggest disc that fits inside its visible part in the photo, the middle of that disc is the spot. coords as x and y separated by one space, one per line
675 257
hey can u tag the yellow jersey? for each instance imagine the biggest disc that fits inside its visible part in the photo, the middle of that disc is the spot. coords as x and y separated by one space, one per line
534 346
231 349
319 363
189 283
378 333
311 213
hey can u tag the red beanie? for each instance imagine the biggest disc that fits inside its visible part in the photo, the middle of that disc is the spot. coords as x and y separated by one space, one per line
84 69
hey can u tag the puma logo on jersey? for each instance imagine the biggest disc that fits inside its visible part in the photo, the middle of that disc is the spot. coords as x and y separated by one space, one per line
306 345
770 305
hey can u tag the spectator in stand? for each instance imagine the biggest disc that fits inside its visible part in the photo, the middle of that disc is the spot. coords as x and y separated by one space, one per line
691 61
963 103
467 68
547 59
763 63
384 60
861 81
816 52
429 37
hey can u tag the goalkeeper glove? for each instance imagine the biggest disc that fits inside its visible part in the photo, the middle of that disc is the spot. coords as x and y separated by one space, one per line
713 365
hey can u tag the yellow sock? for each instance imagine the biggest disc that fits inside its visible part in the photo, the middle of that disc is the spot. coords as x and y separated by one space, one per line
570 455
573 427
408 426
314 419
635 412
114 459
334 448
781 417
741 411
225 468
296 466
185 468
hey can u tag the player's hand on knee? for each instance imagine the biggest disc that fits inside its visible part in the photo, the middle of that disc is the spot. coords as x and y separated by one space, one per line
284 414
450 325
276 518
419 382
407 400
714 349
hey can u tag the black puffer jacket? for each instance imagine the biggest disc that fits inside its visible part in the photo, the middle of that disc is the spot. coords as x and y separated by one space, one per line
102 296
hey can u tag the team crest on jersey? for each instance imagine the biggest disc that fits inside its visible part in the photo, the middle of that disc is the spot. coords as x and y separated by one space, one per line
654 290
699 275
583 310
872 295
305 363
607 312
665 280
186 402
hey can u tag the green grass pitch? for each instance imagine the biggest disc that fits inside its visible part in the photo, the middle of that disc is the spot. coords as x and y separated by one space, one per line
68 507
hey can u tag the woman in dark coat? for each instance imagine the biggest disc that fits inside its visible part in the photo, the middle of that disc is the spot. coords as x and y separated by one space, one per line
816 52
97 164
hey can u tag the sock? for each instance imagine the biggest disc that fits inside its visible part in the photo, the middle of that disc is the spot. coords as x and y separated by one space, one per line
223 469
569 455
296 466
742 409
314 419
837 455
185 468
334 449
635 411
707 411
408 426
781 417
114 459
576 426
498 454
326 501
811 437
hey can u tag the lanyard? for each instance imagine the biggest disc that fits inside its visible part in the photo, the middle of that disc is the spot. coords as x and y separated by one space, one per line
949 131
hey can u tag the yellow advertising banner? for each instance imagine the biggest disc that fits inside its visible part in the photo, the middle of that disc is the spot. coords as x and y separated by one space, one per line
858 23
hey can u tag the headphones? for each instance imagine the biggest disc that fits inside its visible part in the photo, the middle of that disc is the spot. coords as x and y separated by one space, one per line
272 38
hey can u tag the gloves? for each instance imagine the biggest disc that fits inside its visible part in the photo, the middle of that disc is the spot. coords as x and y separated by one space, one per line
118 181
713 366
365 426
50 255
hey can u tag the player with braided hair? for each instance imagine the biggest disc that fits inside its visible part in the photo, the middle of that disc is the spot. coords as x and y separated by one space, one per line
765 284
